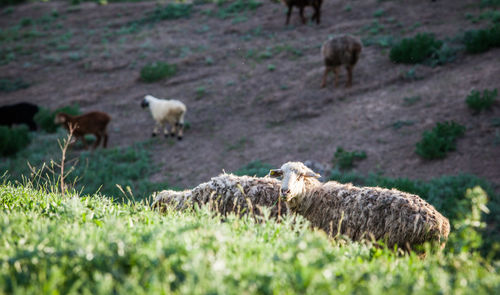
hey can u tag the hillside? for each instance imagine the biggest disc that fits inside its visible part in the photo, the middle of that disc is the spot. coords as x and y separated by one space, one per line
251 83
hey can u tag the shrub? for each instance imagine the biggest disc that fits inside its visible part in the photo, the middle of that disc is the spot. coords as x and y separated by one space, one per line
9 85
255 168
478 103
156 71
13 139
436 143
416 49
45 117
344 159
478 41
11 2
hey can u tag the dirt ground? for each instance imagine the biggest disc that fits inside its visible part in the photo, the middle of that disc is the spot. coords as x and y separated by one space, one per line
252 84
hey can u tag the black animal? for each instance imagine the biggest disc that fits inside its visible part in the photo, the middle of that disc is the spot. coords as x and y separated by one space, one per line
19 113
301 4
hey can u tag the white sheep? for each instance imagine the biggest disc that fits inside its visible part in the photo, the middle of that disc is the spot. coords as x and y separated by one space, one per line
227 193
366 212
169 111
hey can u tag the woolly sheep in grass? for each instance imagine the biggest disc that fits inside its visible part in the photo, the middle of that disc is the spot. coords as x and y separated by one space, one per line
366 212
164 111
227 193
338 51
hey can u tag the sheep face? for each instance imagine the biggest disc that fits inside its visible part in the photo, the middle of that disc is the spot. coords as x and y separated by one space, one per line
144 103
293 185
59 119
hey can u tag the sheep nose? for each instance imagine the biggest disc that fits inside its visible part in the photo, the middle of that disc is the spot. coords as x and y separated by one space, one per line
284 192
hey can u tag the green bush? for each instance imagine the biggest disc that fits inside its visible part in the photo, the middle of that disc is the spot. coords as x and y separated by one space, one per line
478 41
478 103
11 2
442 139
345 159
255 168
156 71
13 139
416 49
45 117
9 85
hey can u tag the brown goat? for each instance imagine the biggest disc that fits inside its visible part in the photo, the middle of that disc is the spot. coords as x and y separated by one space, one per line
89 123
301 4
341 50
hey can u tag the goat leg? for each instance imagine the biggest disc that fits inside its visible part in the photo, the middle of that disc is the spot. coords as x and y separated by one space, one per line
289 12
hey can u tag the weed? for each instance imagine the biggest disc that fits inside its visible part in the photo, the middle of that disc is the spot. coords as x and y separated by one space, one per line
347 8
479 103
399 124
200 92
9 85
238 145
435 144
26 22
169 12
13 139
411 100
209 61
379 12
156 71
271 67
345 159
416 49
236 7
255 168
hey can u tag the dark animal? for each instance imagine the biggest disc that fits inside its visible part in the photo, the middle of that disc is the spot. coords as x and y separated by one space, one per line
301 4
341 50
19 113
90 123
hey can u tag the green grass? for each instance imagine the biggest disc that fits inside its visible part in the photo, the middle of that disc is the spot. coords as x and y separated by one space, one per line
415 50
255 168
100 170
10 85
51 244
479 41
13 139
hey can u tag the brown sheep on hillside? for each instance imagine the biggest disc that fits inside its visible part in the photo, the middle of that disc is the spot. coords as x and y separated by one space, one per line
361 212
90 123
301 4
340 50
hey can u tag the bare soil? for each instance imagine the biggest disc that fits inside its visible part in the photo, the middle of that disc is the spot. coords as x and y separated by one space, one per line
242 107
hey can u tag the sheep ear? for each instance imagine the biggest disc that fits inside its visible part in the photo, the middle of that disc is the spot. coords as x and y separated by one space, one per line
275 172
312 174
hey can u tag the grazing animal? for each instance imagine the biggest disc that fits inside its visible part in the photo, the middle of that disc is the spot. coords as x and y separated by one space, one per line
301 4
341 50
19 113
361 212
169 111
227 193
90 123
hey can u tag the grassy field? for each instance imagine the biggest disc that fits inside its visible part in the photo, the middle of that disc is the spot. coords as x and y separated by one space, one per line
52 244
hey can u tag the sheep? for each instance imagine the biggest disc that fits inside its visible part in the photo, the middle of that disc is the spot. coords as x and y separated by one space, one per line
301 4
19 113
340 50
227 193
89 123
163 111
367 212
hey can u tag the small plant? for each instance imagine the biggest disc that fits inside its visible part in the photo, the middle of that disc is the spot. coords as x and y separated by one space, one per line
26 22
415 50
200 92
478 41
9 85
156 71
13 139
479 103
236 7
399 124
379 12
271 67
440 140
348 8
255 168
409 101
169 12
345 159
45 117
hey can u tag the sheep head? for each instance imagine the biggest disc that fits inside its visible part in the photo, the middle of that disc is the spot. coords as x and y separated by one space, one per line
145 102
294 175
